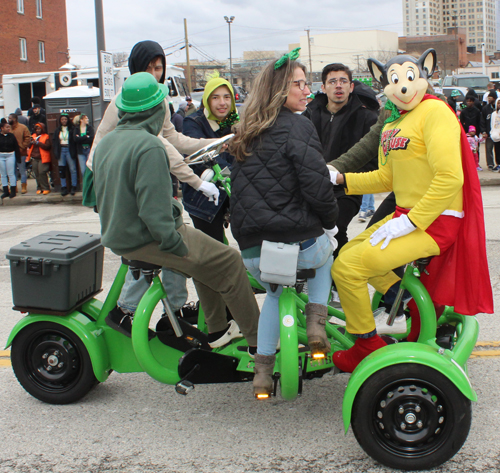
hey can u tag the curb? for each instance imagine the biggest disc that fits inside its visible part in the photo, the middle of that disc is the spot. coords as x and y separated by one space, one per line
57 198
53 198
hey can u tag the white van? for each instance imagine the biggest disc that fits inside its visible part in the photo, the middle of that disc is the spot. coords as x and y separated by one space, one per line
19 88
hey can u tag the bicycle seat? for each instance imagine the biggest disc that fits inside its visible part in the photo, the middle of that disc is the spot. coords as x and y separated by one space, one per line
304 274
422 263
140 264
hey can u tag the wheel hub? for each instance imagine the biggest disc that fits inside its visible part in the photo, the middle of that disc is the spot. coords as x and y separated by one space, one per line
409 417
54 360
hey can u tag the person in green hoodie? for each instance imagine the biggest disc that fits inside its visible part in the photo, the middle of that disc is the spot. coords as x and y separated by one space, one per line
141 221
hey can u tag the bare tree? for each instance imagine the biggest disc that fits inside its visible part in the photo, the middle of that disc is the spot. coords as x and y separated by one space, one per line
120 59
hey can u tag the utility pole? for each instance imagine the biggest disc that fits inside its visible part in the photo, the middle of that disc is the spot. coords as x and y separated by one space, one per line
188 68
310 60
483 46
357 56
229 21
101 46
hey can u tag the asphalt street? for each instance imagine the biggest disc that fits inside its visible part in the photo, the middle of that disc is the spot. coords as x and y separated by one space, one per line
132 423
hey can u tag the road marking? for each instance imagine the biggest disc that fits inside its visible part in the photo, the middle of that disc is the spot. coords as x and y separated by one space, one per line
5 354
5 358
483 353
488 344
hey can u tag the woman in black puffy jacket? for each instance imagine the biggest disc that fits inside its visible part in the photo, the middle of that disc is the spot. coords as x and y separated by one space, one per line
281 192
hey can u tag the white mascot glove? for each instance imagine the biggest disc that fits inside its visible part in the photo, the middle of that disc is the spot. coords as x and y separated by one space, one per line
333 177
211 191
394 228
333 174
331 236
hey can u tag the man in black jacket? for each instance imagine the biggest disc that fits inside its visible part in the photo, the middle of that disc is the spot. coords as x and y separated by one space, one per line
342 116
486 112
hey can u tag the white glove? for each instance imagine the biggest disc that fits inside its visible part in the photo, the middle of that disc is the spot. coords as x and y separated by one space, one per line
331 236
394 228
333 177
211 191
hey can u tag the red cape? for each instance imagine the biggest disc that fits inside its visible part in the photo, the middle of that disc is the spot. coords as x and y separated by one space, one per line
460 277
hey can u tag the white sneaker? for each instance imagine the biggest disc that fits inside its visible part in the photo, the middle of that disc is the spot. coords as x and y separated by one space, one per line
335 299
362 217
233 331
399 325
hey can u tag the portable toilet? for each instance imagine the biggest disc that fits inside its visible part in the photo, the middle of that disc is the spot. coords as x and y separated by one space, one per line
73 101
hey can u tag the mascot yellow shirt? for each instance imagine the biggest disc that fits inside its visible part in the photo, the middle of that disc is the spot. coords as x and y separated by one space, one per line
420 160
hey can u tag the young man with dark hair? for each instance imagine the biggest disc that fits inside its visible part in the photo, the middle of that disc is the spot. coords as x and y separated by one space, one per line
36 117
342 116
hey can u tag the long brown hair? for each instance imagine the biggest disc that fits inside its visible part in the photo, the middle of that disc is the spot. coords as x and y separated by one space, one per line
268 95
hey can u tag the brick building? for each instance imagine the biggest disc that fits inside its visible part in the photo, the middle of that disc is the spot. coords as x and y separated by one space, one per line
34 36
451 48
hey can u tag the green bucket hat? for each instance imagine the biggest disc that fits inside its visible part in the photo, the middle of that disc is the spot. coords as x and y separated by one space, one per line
140 92
455 93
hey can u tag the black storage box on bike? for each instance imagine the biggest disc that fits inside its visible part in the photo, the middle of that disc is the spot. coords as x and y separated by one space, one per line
56 271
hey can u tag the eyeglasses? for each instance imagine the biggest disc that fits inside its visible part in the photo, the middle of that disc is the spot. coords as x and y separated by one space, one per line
341 81
302 84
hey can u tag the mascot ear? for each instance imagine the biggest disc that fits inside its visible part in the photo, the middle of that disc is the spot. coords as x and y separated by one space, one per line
378 71
427 62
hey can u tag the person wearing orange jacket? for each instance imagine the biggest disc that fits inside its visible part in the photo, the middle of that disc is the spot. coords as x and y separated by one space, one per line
39 153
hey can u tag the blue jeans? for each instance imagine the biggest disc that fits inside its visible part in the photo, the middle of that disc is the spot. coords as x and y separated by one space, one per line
8 169
82 159
368 203
318 256
22 170
66 159
132 290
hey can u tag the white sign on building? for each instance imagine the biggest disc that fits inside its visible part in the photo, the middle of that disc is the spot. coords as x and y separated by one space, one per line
107 80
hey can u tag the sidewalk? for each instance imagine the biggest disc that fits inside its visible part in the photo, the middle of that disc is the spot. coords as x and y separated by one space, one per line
31 197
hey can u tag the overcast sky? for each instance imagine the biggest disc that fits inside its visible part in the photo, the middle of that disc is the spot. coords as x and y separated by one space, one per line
258 24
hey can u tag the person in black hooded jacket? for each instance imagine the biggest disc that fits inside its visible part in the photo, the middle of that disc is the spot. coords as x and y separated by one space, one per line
342 116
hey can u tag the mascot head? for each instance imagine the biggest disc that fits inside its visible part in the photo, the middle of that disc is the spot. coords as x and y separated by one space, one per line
404 78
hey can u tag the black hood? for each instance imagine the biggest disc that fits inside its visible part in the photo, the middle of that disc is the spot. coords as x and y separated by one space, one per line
367 95
142 54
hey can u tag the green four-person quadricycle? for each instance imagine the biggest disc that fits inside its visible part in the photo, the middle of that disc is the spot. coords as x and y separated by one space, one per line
409 404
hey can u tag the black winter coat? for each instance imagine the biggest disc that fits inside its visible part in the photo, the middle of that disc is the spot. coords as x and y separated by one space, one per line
485 121
470 116
339 132
282 191
83 141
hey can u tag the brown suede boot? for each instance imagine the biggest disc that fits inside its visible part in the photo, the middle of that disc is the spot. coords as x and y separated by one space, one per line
24 188
263 379
316 315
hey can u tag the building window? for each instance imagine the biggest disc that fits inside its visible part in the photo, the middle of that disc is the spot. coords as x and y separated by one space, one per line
23 52
41 51
20 6
495 75
39 8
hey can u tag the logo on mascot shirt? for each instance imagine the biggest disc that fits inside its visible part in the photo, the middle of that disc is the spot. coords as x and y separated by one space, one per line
390 141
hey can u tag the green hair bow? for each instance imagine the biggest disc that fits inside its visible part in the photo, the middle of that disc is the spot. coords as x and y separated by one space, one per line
291 56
